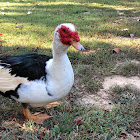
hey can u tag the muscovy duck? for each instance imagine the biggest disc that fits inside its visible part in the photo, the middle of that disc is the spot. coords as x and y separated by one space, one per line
38 80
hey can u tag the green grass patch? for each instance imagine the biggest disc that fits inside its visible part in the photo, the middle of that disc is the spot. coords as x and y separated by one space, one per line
102 26
124 95
128 69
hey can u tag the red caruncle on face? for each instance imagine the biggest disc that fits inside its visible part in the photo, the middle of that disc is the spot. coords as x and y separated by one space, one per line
66 35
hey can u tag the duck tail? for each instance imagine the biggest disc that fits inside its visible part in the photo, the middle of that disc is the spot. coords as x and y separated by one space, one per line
3 94
9 94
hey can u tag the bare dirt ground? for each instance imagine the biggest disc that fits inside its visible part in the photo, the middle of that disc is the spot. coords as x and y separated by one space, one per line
102 98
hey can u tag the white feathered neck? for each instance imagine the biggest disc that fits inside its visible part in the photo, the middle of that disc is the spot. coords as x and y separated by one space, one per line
60 74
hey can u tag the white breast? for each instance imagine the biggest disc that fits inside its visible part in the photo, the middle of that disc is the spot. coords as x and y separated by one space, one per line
60 77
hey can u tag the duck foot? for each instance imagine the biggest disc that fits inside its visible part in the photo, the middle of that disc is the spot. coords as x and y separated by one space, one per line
54 104
38 118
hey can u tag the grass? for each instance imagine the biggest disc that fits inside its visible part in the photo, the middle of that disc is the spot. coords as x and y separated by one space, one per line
102 26
125 95
128 69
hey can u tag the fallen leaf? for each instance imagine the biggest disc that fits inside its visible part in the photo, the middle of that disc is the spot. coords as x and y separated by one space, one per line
116 50
68 110
78 120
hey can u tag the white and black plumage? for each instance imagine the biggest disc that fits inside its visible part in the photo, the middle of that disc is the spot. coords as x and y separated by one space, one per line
37 80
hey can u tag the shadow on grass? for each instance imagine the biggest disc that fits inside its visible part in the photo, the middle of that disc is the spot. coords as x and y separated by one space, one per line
100 52
17 50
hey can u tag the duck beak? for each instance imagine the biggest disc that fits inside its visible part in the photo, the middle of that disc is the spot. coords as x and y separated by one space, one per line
77 45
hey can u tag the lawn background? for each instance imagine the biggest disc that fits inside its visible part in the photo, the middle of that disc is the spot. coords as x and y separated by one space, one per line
102 26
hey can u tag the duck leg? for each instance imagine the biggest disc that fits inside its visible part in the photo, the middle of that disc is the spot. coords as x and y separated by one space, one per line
54 104
37 117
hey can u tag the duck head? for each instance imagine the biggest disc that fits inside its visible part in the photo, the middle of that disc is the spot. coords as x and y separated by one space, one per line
66 35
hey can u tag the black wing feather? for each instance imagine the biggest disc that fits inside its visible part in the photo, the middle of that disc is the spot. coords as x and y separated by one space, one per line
31 66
